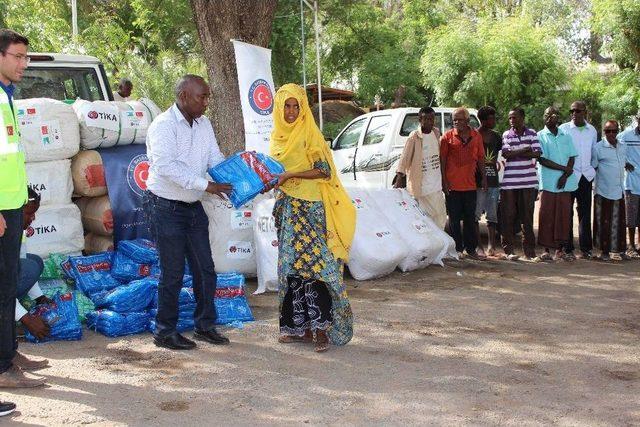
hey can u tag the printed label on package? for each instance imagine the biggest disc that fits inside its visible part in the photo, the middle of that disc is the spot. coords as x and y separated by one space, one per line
241 219
237 249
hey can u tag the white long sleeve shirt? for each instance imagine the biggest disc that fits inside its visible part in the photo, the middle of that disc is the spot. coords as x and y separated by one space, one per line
179 156
584 139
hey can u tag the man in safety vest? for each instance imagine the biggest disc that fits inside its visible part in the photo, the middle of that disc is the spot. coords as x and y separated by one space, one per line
13 196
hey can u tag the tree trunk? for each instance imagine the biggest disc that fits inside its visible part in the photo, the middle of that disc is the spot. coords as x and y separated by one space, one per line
219 21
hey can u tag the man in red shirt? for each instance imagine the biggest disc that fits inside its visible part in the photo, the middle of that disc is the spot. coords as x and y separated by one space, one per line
461 157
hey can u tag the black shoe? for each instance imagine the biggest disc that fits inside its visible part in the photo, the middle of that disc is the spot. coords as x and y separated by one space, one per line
174 342
211 336
6 408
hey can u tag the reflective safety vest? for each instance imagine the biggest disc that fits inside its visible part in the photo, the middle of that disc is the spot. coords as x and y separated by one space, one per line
13 175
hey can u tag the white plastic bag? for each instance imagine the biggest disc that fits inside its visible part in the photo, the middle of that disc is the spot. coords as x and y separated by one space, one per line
56 229
426 242
52 180
377 247
231 235
265 238
48 129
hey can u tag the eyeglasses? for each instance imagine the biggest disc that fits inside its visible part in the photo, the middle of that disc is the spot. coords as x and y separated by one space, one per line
575 110
611 131
24 58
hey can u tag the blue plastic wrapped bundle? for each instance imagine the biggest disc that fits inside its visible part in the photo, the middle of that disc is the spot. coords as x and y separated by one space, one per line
93 273
126 269
62 318
231 301
186 295
141 250
133 297
114 324
249 173
183 324
186 310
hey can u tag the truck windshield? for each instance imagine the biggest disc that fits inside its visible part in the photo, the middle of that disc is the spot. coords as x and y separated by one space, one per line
60 83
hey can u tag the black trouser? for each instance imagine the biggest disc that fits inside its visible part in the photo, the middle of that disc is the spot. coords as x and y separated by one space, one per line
583 197
181 229
461 206
9 267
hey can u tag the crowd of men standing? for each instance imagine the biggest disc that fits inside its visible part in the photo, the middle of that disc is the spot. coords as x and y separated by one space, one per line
561 165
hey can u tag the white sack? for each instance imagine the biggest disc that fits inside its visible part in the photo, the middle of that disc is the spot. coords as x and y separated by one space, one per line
48 129
377 247
56 229
109 123
426 242
231 235
52 180
265 238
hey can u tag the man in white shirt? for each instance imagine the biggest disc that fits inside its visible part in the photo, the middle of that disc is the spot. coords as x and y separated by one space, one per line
584 138
181 146
124 90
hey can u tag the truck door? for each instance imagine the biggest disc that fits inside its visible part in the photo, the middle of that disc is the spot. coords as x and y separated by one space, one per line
372 156
344 150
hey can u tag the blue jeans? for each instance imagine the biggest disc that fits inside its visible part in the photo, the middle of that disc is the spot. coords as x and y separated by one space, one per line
181 229
30 270
9 265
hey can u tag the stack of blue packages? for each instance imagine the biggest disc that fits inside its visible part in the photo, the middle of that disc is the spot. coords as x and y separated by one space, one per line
92 273
249 174
231 300
114 324
62 318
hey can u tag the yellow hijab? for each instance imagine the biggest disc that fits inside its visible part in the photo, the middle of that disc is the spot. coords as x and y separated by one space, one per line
298 146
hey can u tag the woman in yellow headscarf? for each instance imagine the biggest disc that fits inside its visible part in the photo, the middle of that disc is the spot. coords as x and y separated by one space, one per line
315 220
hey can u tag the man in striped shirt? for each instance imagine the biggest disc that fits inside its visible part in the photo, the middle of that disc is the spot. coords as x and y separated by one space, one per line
519 188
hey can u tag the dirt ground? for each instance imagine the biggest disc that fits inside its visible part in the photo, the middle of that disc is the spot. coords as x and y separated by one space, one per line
474 343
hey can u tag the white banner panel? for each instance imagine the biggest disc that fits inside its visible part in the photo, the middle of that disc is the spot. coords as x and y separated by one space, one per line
256 94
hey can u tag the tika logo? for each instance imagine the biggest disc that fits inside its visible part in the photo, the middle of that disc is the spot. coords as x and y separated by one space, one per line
41 229
234 249
38 187
104 116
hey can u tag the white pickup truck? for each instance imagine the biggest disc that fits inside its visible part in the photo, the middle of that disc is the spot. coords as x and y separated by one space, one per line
367 150
65 78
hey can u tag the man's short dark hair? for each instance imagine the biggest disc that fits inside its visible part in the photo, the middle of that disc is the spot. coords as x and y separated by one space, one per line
519 110
485 112
9 37
426 110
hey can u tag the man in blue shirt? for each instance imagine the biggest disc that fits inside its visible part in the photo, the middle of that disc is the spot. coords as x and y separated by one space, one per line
631 139
609 159
557 181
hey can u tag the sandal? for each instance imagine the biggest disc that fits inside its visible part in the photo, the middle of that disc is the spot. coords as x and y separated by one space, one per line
546 256
288 339
569 257
322 342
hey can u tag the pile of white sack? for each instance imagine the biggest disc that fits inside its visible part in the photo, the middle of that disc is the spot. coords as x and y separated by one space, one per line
50 136
104 124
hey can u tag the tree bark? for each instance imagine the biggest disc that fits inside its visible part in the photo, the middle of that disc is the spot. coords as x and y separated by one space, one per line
219 21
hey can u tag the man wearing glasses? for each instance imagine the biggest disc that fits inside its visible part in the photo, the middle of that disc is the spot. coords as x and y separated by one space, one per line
609 162
13 195
631 139
584 138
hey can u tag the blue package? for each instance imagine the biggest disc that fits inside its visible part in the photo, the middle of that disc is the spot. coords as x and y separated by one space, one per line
114 324
183 324
132 297
62 318
184 311
141 250
249 173
126 269
231 301
92 273
186 295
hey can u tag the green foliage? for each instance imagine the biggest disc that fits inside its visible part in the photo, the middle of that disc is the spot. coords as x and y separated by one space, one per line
156 81
331 129
619 22
586 85
508 62
621 96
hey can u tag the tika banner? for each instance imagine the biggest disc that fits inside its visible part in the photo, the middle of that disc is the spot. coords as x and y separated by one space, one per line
126 169
256 94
